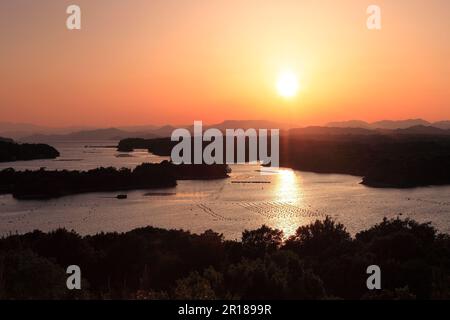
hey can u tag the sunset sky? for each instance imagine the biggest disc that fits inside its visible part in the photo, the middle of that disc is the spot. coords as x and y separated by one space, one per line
174 61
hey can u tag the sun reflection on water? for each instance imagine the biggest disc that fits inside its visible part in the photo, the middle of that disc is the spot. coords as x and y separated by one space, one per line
287 187
288 192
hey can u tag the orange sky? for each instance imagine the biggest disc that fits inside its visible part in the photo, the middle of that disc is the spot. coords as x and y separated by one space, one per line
175 61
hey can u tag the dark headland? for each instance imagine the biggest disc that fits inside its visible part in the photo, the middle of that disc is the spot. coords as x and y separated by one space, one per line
402 158
383 161
12 151
44 184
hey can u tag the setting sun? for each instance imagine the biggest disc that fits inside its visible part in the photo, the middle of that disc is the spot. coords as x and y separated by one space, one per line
287 84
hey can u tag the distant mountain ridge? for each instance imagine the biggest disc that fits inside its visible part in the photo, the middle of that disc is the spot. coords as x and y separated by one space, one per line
316 130
442 124
422 130
352 127
19 130
145 132
6 140
99 134
418 130
389 124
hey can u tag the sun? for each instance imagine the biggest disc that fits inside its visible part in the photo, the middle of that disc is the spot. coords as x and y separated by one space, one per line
287 84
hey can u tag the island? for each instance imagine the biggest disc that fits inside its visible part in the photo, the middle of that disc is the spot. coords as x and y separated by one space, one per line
45 184
12 151
158 146
383 159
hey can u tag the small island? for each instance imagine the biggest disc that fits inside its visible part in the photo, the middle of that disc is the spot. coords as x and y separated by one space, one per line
158 146
12 151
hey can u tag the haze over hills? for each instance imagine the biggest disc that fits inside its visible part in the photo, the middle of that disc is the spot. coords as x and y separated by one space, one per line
86 135
442 124
19 130
389 124
6 139
43 134
246 124
336 130
316 130
422 130
35 133
141 128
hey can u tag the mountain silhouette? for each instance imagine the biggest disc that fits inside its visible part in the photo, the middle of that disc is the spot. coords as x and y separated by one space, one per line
442 124
423 130
33 133
316 130
6 140
384 124
99 134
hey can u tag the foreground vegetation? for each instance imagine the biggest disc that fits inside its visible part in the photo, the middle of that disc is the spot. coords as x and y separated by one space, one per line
321 261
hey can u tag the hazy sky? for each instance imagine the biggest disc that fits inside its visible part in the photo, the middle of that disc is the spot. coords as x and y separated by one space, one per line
175 61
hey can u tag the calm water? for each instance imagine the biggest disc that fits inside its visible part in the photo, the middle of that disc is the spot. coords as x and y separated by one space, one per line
287 199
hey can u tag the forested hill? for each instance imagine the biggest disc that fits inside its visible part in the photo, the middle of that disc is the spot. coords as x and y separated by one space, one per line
11 151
